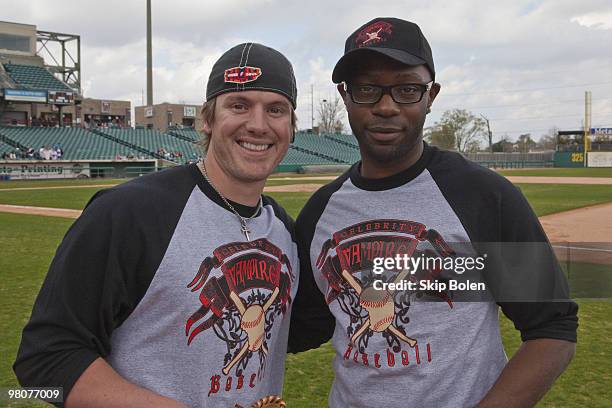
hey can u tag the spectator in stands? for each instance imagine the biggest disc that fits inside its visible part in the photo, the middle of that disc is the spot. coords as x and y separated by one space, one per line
30 153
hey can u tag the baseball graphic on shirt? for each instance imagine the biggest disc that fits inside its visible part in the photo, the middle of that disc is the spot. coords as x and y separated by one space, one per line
380 307
250 288
346 262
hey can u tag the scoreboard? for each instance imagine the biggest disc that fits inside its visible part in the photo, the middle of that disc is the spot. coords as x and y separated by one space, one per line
60 98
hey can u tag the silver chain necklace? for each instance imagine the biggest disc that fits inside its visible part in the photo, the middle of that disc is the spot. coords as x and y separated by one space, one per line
243 221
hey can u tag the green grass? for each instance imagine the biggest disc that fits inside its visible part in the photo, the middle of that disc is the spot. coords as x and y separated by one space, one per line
560 172
23 270
57 183
588 280
544 198
552 198
72 198
309 375
294 181
291 202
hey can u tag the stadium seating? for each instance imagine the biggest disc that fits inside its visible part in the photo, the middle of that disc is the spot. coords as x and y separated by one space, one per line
346 140
107 144
33 77
152 141
185 134
327 149
77 144
5 148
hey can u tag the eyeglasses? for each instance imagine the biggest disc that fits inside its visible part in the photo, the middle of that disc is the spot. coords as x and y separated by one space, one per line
371 94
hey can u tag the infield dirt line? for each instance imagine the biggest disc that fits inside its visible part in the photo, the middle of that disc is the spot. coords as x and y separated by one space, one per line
56 187
560 180
47 211
297 187
586 224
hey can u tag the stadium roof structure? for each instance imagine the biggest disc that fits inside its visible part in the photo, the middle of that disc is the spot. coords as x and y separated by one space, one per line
33 77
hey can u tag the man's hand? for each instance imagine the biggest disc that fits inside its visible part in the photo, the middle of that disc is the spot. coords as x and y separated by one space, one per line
530 373
101 386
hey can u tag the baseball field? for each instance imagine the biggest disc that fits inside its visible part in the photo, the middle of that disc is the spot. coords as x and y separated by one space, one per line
575 205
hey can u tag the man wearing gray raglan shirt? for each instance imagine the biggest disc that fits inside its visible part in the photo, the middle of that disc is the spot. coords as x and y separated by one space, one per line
175 289
393 348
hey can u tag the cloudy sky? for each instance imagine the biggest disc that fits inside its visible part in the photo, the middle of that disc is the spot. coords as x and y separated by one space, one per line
523 64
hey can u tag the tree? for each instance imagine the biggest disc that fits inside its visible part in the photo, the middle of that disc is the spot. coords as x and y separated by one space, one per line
461 128
548 141
525 143
330 113
504 145
441 136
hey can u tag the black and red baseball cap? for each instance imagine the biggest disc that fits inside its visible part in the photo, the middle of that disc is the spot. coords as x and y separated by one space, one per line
398 39
252 66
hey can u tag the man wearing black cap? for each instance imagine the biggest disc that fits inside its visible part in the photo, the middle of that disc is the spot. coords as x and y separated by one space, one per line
174 289
398 347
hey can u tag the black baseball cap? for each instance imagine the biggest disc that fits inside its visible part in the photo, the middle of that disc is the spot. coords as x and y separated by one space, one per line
398 39
252 66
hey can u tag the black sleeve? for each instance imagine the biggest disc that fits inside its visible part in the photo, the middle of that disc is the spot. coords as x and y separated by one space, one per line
312 323
100 271
494 212
80 303
554 318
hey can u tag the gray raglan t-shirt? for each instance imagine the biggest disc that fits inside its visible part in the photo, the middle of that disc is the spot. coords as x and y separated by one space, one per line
401 350
157 278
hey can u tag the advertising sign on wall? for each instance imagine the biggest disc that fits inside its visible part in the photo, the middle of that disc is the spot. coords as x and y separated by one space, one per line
25 96
44 170
599 159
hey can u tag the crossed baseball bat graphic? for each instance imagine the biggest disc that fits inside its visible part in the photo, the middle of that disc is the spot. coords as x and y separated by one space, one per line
252 321
380 307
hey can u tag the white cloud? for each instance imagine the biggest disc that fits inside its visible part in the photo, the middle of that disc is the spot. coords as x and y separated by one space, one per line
600 21
515 61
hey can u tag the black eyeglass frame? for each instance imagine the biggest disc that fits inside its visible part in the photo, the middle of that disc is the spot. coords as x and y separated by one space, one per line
387 90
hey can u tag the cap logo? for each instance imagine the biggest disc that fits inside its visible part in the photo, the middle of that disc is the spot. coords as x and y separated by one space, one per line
240 75
375 33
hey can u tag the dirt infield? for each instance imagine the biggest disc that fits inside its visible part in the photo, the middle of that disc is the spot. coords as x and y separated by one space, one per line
52 212
560 180
293 188
581 235
587 224
56 187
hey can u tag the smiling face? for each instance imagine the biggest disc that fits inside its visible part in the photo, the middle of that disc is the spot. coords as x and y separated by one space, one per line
249 135
389 134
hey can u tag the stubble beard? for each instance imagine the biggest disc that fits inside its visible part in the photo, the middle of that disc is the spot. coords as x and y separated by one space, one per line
391 154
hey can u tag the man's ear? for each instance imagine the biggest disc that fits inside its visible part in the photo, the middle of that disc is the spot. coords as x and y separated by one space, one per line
433 92
207 128
342 91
